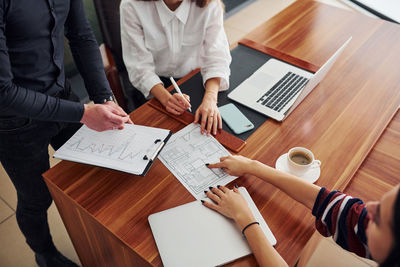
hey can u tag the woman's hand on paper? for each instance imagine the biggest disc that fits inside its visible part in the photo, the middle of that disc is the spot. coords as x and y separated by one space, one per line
210 118
234 165
229 203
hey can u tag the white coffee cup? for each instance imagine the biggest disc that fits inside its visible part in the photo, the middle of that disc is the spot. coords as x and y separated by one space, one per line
300 160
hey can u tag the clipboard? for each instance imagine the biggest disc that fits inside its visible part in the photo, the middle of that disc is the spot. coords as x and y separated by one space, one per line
151 158
132 150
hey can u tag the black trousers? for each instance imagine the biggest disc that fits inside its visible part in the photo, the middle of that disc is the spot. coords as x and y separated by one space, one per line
24 155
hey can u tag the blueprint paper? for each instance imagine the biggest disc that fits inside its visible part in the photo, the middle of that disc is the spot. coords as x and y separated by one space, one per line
186 154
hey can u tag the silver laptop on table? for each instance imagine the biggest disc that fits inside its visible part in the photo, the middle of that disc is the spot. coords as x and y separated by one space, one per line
277 88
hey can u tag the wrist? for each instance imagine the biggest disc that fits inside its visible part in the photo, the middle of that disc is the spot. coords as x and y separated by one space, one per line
85 108
105 100
244 219
252 167
210 97
162 94
165 99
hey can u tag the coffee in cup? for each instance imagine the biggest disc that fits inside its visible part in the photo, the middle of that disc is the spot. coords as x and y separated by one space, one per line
300 160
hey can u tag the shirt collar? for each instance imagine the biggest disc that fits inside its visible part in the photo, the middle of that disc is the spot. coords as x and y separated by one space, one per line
166 15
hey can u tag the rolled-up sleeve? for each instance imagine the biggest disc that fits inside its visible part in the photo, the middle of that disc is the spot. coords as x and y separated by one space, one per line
138 59
215 55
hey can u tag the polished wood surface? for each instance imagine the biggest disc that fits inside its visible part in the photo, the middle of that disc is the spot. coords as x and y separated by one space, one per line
380 170
340 121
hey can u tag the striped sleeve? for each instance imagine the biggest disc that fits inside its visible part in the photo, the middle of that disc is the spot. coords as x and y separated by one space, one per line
344 218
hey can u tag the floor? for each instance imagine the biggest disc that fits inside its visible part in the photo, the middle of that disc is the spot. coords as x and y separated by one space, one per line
15 252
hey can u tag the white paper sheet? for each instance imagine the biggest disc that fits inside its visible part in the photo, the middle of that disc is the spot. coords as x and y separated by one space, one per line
122 150
186 154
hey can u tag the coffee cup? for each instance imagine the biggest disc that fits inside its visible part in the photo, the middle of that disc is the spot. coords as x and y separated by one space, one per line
300 160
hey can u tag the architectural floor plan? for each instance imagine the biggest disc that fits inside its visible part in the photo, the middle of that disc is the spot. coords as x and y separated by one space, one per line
186 154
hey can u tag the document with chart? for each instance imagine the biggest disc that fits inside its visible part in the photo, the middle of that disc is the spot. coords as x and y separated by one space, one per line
131 150
185 156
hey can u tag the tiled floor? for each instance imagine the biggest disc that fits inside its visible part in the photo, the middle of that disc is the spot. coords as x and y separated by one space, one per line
13 249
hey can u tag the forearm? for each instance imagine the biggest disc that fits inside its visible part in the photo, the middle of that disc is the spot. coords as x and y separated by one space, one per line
159 92
265 253
212 89
295 187
22 102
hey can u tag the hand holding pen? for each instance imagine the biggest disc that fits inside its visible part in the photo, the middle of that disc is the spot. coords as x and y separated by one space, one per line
178 102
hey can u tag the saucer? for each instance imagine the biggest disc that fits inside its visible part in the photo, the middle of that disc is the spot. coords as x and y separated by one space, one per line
310 176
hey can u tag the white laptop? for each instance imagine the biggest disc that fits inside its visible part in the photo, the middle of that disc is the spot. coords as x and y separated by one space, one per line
277 88
193 235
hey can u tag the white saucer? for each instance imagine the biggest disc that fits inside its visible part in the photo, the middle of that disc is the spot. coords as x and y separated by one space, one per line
311 175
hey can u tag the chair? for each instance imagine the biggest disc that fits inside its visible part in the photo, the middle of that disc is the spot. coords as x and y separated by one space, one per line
126 95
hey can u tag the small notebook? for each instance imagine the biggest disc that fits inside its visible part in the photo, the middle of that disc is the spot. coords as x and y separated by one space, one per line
130 150
196 236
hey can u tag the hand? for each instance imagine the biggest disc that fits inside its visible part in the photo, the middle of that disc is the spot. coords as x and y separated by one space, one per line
210 117
176 104
233 165
231 204
102 117
113 104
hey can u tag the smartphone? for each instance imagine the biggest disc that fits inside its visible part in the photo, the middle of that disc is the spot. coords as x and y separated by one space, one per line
235 119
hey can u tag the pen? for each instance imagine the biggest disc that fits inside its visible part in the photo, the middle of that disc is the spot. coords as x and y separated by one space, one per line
177 89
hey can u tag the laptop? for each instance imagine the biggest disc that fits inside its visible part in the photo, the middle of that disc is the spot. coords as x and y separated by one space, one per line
277 88
196 236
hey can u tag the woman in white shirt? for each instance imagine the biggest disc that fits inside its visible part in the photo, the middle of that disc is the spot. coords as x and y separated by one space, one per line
163 38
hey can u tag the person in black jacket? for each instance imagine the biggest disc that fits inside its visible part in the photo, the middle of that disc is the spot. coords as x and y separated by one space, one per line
37 107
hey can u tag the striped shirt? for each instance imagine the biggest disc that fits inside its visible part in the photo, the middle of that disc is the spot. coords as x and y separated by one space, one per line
344 218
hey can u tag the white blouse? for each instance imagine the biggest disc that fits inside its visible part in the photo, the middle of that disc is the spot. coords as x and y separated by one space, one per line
159 42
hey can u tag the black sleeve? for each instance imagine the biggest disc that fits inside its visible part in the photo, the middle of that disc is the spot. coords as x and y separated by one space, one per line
86 53
24 102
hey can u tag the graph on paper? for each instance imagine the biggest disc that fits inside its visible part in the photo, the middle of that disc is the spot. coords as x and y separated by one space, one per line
185 156
125 151
128 150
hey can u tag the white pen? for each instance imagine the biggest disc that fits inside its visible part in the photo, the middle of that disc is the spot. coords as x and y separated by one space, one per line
177 89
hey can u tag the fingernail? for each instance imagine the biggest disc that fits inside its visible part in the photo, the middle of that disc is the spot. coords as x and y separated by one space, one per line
210 188
205 192
236 186
207 164
218 186
202 201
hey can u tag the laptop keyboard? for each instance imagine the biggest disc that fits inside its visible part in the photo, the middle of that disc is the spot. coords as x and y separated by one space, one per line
283 91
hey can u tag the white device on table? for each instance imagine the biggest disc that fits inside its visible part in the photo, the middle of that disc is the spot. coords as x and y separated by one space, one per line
277 88
194 235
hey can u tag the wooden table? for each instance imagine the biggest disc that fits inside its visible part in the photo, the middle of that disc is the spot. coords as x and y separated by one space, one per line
105 211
